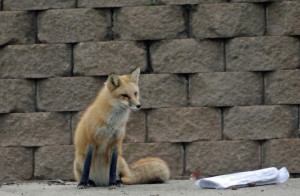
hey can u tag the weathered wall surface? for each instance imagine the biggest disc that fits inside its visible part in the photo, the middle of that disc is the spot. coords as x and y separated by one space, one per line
220 87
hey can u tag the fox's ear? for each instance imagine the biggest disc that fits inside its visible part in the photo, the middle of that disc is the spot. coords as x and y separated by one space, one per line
134 77
113 81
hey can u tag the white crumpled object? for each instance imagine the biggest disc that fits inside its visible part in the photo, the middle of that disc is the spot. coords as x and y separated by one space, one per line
260 177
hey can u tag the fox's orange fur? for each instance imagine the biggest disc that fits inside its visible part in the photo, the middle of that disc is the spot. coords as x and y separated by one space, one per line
103 127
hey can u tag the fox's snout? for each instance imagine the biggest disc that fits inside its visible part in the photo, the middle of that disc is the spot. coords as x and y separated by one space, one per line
135 104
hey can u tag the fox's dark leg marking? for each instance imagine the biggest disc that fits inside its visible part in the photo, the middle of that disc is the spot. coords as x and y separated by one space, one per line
91 183
113 168
119 183
86 168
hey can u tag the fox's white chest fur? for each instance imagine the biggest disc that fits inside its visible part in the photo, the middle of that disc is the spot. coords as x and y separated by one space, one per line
112 130
116 118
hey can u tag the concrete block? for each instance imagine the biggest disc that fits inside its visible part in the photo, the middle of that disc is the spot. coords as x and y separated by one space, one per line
54 162
37 4
283 18
136 127
34 129
222 157
35 61
67 93
262 53
282 153
16 163
185 124
73 25
103 58
163 90
226 89
260 122
16 27
149 23
282 87
17 95
187 56
111 3
225 20
130 3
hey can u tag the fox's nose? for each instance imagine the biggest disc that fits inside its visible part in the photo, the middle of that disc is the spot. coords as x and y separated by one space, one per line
138 105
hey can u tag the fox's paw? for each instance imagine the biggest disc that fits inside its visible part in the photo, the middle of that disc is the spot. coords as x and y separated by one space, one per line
119 183
82 185
112 187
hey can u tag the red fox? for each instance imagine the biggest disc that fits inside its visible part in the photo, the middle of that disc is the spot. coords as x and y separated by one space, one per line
99 136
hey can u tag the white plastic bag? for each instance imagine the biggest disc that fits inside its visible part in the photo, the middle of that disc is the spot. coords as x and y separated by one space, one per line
260 177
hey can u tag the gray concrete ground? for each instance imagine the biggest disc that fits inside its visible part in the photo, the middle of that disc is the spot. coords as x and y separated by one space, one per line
172 188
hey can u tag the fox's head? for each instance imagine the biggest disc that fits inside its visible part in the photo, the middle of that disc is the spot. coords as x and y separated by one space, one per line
124 90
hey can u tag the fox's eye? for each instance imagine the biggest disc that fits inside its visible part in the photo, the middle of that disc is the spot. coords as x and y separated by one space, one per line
125 95
135 94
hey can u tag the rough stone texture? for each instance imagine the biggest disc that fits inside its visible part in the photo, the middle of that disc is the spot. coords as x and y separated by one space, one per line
163 90
298 121
226 89
135 129
282 153
103 58
73 25
283 18
127 3
35 61
282 87
16 27
111 3
184 124
149 23
262 53
37 4
220 80
16 95
15 164
222 157
256 1
172 153
181 2
34 129
67 94
260 122
54 162
187 56
227 20
75 118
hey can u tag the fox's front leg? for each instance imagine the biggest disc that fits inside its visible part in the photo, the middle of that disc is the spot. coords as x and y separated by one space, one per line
103 132
113 168
86 168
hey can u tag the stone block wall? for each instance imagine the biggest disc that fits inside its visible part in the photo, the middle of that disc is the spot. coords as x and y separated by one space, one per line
220 83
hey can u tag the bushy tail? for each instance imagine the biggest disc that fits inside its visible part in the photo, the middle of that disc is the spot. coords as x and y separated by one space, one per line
147 170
